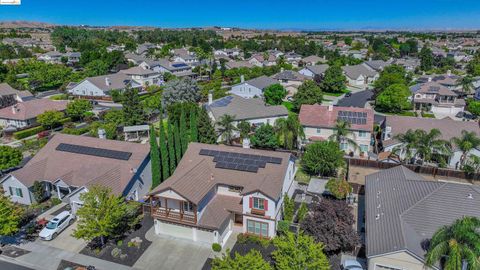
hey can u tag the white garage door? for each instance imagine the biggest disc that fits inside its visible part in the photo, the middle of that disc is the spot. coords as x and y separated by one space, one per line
205 236
175 230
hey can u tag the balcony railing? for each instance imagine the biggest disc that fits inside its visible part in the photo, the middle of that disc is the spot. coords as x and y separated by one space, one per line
174 215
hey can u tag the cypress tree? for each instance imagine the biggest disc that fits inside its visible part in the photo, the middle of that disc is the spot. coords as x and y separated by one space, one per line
206 129
178 144
193 126
163 152
184 137
171 148
155 158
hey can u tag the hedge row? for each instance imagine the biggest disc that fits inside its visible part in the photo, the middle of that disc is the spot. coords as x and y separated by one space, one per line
27 132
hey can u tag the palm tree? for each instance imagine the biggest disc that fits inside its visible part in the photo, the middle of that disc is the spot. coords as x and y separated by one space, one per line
226 127
467 84
455 245
430 144
408 142
466 142
342 134
289 131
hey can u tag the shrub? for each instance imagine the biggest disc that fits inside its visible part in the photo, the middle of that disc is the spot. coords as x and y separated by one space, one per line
119 242
249 238
339 188
216 247
283 226
27 132
55 201
302 212
116 252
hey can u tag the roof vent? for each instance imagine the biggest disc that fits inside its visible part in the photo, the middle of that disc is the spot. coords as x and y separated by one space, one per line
469 196
377 217
378 206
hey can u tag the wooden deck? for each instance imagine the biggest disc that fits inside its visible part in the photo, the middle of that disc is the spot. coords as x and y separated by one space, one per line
169 214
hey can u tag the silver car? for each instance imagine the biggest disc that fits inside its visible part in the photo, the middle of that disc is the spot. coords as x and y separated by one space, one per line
56 225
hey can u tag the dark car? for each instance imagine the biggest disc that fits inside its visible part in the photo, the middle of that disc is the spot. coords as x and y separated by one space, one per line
349 94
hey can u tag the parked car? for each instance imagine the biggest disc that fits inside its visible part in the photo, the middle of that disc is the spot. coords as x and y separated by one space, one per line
351 265
56 225
349 94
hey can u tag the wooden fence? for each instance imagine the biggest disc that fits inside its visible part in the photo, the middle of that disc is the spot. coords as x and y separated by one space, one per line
434 171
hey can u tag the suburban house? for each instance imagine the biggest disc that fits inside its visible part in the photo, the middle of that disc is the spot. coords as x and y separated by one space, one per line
237 64
163 66
449 80
252 88
290 80
10 96
319 122
410 63
52 57
378 65
437 98
24 114
101 86
143 76
360 76
404 210
69 165
313 60
115 47
259 60
293 58
218 189
232 53
252 110
73 57
185 56
395 125
314 70
143 48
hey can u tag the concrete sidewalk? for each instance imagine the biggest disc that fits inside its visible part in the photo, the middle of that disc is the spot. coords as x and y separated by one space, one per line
45 257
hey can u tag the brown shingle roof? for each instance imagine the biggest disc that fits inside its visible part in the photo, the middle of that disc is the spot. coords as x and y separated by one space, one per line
31 108
196 174
320 116
219 209
83 170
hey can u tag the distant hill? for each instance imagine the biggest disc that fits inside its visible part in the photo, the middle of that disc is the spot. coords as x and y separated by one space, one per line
25 24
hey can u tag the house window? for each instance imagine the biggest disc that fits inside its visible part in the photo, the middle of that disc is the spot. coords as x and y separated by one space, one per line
259 203
363 148
257 228
362 134
187 206
318 131
14 191
343 146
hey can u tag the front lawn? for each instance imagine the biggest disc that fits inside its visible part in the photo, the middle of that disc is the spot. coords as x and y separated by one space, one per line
428 115
126 249
337 94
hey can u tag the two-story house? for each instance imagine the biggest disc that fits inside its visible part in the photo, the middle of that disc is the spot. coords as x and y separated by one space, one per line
163 66
143 76
290 80
360 76
217 189
437 98
252 88
319 122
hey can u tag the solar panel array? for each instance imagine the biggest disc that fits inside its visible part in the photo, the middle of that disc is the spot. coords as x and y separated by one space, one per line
238 161
179 65
434 89
356 118
222 102
93 151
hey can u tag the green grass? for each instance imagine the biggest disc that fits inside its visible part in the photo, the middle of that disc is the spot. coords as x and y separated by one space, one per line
288 105
302 177
407 113
337 94
428 115
59 97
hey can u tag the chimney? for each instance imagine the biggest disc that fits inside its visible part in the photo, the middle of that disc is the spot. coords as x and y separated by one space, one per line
107 81
242 78
246 143
429 79
449 72
210 98
101 133
330 107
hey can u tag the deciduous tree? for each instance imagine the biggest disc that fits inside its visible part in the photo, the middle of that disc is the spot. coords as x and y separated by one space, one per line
50 119
265 137
252 260
9 157
77 108
274 94
308 93
10 215
322 158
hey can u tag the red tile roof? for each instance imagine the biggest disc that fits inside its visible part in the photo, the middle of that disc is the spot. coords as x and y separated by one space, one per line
321 116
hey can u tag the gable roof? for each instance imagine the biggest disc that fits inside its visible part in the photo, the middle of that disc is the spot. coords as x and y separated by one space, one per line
31 108
318 69
50 164
117 80
432 88
197 175
289 75
403 209
353 72
448 127
261 82
244 109
320 116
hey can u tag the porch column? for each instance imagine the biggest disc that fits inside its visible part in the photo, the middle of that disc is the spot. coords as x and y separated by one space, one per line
58 192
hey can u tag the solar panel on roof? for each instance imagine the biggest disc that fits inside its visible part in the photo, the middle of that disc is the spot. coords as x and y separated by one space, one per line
239 161
93 151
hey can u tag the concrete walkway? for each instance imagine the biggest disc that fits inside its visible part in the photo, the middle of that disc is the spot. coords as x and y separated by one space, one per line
45 257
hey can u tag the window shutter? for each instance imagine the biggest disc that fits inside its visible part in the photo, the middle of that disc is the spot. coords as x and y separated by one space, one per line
20 192
265 205
11 191
250 202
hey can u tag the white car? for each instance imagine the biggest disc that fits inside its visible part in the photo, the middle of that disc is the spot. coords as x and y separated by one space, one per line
351 265
56 225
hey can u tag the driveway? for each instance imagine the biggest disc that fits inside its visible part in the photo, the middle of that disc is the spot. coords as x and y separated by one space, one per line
172 253
66 241
358 99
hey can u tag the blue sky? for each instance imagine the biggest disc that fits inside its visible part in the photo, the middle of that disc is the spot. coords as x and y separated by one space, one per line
265 14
